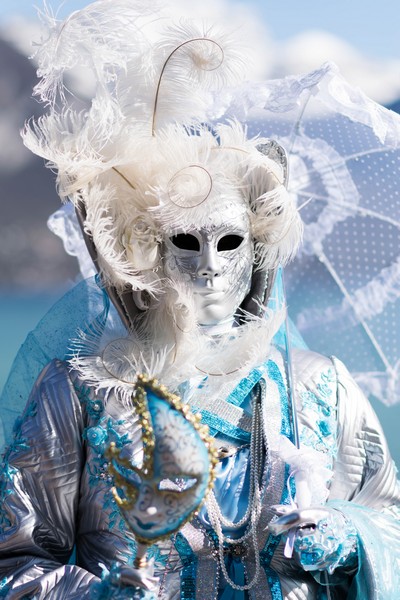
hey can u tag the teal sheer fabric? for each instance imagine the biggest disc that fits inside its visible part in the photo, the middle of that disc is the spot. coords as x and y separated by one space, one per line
76 310
84 306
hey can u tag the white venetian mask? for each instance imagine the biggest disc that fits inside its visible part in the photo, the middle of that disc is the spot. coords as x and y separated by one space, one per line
215 262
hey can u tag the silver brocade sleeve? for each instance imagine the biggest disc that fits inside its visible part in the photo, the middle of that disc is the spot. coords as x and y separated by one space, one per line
364 470
39 493
365 489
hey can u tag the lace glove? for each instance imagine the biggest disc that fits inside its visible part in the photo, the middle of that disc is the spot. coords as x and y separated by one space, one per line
126 583
323 538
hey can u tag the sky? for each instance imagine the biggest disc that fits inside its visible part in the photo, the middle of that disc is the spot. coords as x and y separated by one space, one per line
371 26
292 36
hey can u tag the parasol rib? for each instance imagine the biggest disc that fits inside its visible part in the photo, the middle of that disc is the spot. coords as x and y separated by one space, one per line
343 160
354 207
324 259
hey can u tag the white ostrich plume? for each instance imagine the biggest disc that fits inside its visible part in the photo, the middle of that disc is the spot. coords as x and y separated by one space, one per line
146 159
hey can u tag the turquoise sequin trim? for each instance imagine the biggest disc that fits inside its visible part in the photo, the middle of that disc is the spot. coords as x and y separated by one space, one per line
243 389
4 588
275 374
237 398
218 425
188 572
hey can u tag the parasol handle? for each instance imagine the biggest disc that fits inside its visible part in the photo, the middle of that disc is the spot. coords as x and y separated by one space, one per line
290 375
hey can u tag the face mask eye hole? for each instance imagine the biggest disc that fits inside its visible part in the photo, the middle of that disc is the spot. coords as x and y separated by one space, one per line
186 241
229 242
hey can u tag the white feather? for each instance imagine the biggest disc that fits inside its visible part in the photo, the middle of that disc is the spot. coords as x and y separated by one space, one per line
124 158
103 224
104 36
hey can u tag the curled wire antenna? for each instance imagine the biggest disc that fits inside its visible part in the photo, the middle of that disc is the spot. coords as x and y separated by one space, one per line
203 65
198 195
123 177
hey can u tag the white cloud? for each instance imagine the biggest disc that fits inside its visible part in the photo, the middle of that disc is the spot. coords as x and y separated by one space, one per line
379 79
22 33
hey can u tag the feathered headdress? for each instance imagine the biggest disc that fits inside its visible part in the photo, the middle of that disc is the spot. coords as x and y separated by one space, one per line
149 155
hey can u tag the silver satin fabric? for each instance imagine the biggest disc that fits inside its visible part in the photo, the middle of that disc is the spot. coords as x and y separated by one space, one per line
55 493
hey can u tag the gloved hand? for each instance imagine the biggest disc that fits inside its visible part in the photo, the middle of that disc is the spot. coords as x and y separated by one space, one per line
323 538
123 582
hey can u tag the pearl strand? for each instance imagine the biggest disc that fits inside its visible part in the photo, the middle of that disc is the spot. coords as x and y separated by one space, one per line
255 473
224 570
253 510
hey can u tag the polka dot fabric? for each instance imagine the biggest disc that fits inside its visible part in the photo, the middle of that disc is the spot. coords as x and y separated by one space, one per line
343 290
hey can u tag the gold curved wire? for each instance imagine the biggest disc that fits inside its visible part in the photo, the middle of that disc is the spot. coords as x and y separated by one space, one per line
230 148
200 39
123 177
216 374
176 175
182 330
247 152
63 26
113 375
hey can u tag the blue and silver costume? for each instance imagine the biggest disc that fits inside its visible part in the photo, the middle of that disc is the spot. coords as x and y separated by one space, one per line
56 496
187 218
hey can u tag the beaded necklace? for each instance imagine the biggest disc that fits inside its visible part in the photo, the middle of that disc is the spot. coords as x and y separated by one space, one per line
258 449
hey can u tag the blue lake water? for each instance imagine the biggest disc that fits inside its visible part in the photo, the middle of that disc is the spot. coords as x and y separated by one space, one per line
19 314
